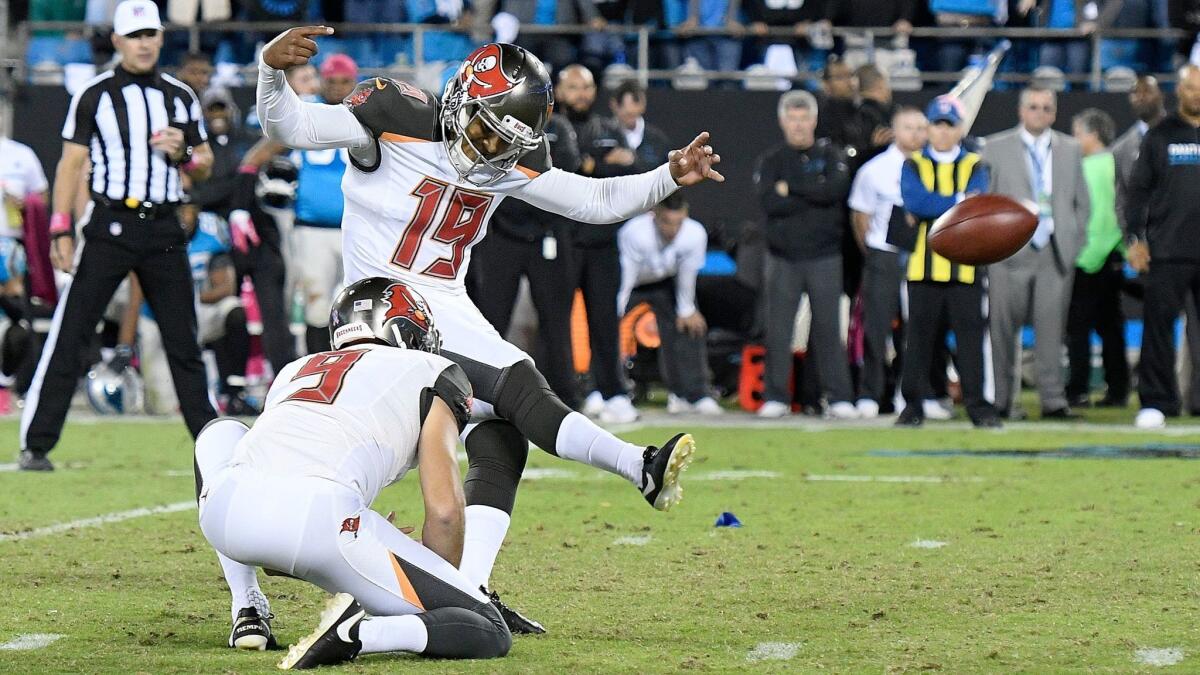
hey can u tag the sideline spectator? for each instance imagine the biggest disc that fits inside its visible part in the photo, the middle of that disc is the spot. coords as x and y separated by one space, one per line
595 260
196 71
1042 167
802 186
1162 213
874 201
1096 296
838 104
661 256
874 114
713 52
648 142
939 290
763 15
556 51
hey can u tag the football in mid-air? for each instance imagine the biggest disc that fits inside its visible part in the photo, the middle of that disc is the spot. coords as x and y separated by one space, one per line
982 230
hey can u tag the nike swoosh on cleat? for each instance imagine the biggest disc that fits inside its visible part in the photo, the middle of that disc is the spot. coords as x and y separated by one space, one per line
649 485
343 629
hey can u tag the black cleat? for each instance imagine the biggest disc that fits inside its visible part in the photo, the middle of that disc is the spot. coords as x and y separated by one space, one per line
334 641
517 623
251 630
239 406
912 416
661 468
34 460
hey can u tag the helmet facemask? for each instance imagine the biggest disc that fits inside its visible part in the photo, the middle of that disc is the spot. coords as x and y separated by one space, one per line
513 108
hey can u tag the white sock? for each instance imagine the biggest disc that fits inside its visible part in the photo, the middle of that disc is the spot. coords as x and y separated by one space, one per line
393 634
581 440
242 579
485 531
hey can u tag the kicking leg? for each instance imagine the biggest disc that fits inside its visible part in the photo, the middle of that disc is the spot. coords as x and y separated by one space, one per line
250 610
522 396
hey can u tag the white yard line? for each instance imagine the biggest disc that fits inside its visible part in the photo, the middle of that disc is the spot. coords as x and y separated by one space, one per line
96 521
31 641
773 651
847 478
928 543
1158 656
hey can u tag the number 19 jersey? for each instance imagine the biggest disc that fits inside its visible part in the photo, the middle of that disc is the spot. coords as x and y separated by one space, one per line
408 214
352 416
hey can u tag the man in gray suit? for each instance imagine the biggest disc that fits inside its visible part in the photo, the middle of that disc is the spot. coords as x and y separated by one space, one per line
1043 168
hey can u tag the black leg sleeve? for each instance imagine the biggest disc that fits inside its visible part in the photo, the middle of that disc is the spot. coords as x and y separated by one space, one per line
496 454
524 398
458 633
269 276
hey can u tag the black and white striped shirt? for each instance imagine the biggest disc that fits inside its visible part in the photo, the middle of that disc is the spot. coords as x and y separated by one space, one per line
115 114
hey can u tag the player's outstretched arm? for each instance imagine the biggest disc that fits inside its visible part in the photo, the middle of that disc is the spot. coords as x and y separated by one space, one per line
287 119
608 200
441 487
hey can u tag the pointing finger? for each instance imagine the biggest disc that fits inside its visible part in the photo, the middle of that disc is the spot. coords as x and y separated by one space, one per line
307 31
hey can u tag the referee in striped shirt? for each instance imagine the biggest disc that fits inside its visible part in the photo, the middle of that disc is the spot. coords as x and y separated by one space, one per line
142 130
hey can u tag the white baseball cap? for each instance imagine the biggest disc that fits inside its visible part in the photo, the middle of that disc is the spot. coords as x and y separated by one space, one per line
134 15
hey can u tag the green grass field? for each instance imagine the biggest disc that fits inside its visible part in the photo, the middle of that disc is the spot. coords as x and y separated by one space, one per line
1048 565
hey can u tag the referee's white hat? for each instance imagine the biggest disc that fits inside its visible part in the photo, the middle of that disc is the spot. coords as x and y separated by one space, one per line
134 15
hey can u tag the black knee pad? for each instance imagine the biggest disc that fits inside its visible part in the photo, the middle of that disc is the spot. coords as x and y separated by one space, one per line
460 633
496 454
524 398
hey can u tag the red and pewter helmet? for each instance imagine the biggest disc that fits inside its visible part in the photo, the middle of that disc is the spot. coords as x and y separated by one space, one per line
507 89
383 310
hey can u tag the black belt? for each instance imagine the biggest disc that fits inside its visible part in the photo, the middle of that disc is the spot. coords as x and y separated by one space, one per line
132 206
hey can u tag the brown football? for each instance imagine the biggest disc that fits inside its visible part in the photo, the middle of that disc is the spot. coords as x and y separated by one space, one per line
982 230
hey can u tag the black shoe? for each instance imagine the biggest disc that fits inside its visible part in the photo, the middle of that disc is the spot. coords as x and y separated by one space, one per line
1063 413
34 460
517 623
1113 402
988 422
251 630
661 468
911 417
334 641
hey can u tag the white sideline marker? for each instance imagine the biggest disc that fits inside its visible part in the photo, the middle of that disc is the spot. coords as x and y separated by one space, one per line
30 641
928 543
773 651
105 519
1151 656
632 540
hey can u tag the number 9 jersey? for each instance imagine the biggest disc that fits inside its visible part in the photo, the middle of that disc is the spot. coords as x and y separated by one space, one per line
408 213
352 416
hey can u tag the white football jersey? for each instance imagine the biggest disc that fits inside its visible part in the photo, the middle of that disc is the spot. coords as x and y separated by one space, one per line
408 215
352 416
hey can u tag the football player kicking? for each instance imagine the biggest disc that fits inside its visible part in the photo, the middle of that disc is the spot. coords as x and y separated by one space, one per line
426 174
293 494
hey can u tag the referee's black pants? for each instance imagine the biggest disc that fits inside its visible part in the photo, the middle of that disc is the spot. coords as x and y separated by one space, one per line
598 273
929 305
116 244
1167 284
502 260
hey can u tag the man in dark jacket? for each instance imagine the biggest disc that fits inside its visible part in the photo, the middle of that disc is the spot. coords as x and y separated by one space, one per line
526 241
1161 214
802 186
603 152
